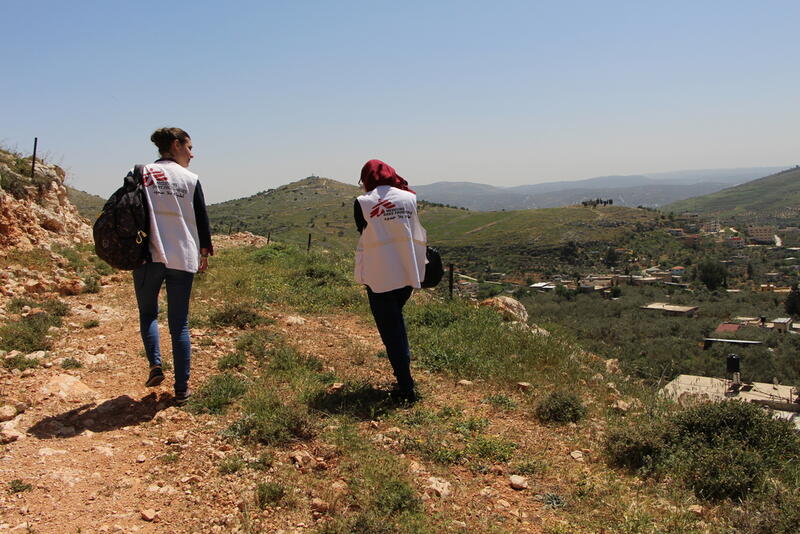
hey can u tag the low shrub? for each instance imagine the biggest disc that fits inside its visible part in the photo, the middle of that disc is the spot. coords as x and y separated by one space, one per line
20 362
256 343
18 486
91 323
234 360
492 448
560 407
71 363
266 419
235 314
723 450
29 333
231 464
216 394
268 494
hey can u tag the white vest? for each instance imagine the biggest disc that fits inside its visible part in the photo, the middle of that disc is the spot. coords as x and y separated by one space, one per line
169 189
391 250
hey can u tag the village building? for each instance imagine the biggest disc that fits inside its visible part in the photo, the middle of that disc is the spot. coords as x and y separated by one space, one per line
761 234
735 242
710 227
727 328
782 324
671 309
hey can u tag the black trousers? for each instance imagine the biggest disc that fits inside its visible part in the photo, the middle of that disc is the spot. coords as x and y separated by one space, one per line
387 309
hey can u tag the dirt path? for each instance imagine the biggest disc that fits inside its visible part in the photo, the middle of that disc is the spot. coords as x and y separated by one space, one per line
105 454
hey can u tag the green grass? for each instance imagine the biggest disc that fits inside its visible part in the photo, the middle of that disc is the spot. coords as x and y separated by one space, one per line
239 315
269 420
269 494
71 363
29 333
231 464
91 323
217 394
18 486
234 360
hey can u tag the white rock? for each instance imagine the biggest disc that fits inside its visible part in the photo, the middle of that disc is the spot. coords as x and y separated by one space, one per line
439 487
518 482
47 451
7 412
466 383
294 320
510 309
577 455
67 387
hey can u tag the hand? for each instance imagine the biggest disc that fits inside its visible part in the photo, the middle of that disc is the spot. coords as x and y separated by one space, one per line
203 264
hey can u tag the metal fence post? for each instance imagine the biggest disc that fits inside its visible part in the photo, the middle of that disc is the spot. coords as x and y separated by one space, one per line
33 159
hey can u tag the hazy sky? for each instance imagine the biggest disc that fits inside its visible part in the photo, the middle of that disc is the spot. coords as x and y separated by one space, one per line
498 92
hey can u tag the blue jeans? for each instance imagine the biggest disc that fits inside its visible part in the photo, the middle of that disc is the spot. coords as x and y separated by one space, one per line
147 281
387 309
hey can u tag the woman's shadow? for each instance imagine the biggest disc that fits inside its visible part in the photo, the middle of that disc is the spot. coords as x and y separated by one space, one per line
112 414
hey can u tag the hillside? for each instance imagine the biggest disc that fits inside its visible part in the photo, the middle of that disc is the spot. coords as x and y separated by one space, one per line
476 241
291 428
89 205
773 199
650 190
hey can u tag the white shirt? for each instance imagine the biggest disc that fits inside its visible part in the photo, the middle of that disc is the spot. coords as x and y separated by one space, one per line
169 189
391 251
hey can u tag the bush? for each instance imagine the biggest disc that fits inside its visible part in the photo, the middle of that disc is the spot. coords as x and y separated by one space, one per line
723 450
235 314
91 323
216 394
560 407
20 362
268 494
269 421
29 333
723 471
231 464
71 363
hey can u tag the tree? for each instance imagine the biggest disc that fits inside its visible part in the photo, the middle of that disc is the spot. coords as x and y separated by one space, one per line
792 303
611 258
712 274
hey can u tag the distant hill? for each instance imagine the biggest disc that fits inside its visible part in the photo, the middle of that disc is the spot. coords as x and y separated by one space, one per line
649 190
510 240
89 205
774 199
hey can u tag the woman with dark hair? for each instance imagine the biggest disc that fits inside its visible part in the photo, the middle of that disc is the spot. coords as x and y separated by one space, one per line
180 243
390 261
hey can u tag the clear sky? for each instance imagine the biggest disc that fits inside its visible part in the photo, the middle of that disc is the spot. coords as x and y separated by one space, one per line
505 93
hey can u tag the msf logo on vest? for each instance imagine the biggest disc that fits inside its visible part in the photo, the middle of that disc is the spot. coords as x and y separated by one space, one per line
380 208
153 174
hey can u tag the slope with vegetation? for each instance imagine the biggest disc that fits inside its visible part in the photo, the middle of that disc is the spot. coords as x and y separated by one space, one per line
518 241
773 199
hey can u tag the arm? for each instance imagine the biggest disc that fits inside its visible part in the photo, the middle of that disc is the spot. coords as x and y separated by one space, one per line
361 222
203 226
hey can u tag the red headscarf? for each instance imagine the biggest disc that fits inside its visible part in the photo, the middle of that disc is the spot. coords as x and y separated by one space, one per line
375 173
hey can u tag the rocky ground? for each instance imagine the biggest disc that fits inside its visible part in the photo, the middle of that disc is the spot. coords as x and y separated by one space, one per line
103 453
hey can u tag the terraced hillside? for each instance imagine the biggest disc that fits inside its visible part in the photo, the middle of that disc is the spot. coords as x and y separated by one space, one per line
773 199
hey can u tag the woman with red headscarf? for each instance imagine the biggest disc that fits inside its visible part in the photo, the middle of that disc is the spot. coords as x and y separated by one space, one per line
390 260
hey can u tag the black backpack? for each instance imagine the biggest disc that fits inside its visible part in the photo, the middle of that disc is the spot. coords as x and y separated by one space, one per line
122 229
433 269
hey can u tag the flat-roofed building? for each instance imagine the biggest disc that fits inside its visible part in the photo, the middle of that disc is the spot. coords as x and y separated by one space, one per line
671 309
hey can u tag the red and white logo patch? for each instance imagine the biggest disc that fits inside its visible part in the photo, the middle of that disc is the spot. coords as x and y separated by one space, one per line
153 174
380 208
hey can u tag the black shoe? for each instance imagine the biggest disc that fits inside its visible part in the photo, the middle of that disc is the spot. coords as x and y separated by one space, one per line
403 397
155 378
182 397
